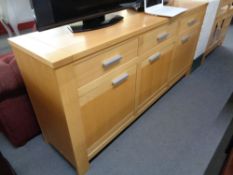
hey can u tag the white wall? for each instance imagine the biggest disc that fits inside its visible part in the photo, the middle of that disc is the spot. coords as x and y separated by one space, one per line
206 27
19 8
16 11
1 10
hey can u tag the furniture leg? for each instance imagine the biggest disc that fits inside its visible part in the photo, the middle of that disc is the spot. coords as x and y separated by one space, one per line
203 59
188 71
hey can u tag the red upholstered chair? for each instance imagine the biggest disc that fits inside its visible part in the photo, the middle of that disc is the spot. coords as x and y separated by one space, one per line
17 119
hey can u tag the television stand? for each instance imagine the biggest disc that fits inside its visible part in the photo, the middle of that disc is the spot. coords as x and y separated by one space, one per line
88 88
95 23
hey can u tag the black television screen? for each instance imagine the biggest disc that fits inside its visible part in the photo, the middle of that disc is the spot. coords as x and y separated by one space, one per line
53 13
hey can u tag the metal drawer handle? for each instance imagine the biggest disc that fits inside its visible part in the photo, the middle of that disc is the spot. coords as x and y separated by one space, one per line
117 81
185 39
111 61
162 36
192 22
154 57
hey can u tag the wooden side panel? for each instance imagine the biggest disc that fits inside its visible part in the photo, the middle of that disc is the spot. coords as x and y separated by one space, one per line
47 101
68 90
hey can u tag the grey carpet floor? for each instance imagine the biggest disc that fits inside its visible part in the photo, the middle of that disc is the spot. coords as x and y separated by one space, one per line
174 137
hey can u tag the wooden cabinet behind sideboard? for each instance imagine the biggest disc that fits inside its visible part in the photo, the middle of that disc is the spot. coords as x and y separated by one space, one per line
220 26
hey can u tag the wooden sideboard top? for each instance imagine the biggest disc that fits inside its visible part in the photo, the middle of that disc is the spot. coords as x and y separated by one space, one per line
58 47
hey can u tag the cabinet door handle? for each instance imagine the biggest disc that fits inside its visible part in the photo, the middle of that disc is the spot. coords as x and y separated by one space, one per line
117 81
162 37
111 61
192 22
154 57
185 39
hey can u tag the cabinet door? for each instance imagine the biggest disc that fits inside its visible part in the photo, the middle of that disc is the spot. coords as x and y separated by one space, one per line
153 73
106 104
214 34
184 54
219 31
224 28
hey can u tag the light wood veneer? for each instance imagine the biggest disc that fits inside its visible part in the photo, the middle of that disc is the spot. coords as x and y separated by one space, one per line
88 87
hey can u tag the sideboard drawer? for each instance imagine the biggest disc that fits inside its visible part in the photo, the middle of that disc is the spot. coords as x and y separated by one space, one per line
106 104
154 37
190 22
96 65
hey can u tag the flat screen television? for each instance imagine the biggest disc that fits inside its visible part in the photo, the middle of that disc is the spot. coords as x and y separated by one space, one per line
53 13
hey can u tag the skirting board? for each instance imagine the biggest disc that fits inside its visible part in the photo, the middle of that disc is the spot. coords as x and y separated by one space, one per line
197 62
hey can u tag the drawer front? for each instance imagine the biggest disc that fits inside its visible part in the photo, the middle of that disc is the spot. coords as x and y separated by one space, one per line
105 103
153 72
157 36
191 21
105 61
184 53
